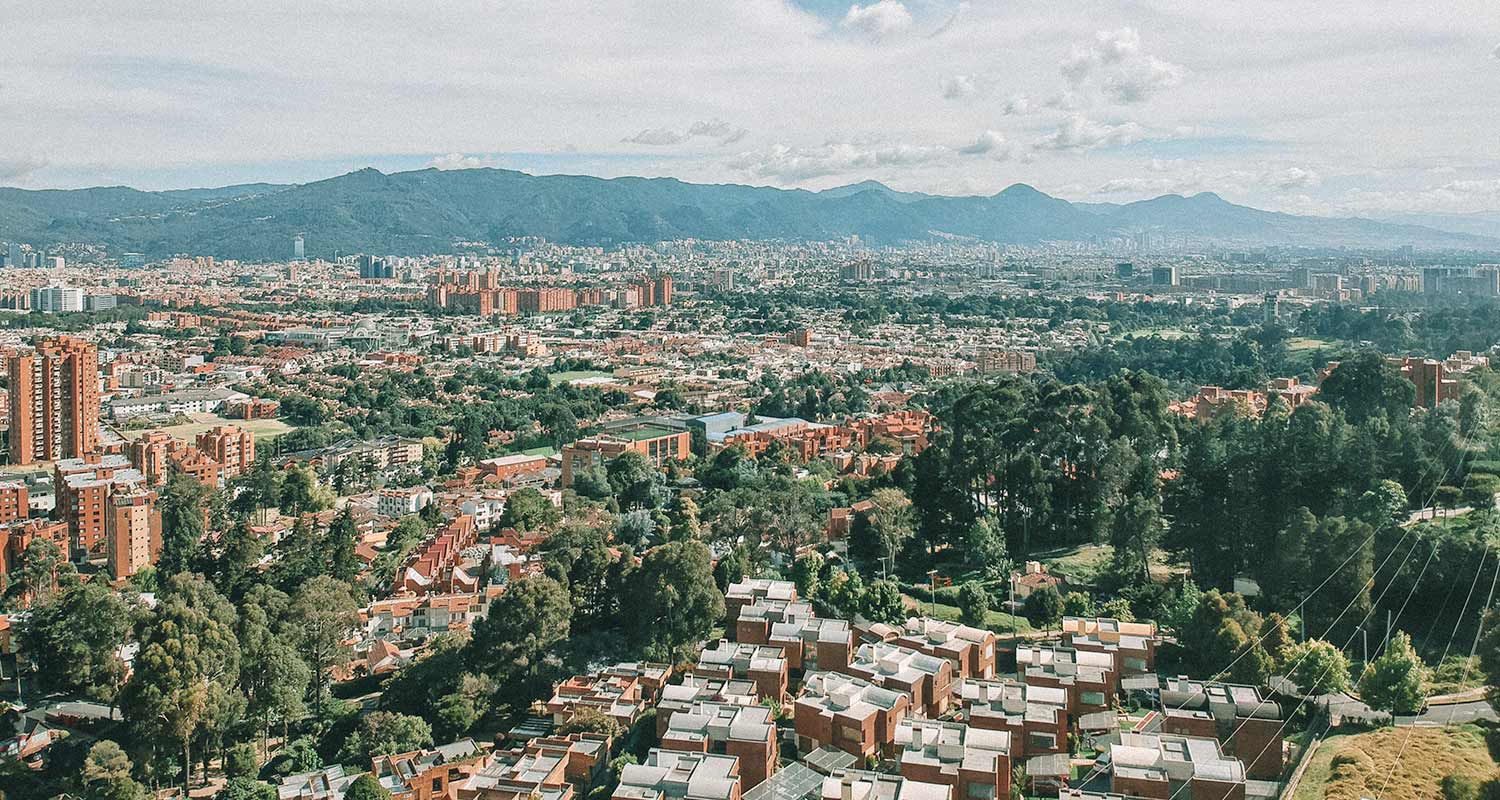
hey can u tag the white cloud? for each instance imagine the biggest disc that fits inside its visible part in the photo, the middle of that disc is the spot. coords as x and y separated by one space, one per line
1294 178
959 87
1016 105
1115 62
1461 196
880 19
798 164
19 169
711 129
717 129
656 137
989 143
1495 54
461 161
1078 132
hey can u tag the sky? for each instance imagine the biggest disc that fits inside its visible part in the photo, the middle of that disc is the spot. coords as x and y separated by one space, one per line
1333 107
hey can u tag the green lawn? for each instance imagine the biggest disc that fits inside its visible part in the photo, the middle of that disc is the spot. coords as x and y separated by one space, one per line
264 429
997 621
564 377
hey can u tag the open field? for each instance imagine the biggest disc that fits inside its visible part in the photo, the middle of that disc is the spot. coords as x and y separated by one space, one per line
564 377
997 621
1349 767
263 429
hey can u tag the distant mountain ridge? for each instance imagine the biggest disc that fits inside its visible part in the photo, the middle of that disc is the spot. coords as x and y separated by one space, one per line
428 211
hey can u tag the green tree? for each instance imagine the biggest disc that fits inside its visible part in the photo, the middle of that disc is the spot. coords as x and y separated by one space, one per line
513 642
882 603
528 510
246 788
187 668
675 598
38 579
107 774
236 568
1396 681
807 572
322 614
1078 604
383 733
74 640
973 604
1043 607
273 675
366 787
1318 668
985 550
182 504
340 542
878 535
1365 386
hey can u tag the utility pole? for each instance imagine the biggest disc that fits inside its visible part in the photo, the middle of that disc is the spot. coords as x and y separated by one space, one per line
1364 635
932 586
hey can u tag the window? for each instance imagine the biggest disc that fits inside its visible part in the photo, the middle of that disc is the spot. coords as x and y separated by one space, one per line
1041 741
979 791
437 784
1092 698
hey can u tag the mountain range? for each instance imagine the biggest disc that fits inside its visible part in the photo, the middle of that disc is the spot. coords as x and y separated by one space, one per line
433 211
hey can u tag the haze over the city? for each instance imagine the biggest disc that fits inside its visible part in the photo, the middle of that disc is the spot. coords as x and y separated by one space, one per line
1336 108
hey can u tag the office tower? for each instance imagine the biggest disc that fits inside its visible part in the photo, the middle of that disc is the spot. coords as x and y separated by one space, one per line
13 257
56 299
298 252
1165 276
54 399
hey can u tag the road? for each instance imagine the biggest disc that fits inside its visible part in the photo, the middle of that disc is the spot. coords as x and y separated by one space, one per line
1343 706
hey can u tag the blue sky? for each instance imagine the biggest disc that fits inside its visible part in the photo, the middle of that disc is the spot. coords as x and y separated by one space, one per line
1337 107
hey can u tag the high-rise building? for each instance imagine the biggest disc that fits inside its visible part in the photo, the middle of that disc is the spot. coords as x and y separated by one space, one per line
13 256
54 401
56 299
298 251
132 532
1165 276
232 447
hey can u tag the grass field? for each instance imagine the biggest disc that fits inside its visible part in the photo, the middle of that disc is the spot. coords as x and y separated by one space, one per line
997 621
1350 767
264 429
564 377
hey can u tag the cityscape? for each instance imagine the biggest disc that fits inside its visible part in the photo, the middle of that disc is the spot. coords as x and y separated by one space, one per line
686 463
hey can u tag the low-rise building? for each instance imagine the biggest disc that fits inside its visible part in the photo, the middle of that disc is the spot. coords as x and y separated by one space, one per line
1035 716
974 762
859 784
751 590
927 680
674 775
1132 645
745 732
1247 724
427 774
763 665
1162 766
971 650
847 713
1088 678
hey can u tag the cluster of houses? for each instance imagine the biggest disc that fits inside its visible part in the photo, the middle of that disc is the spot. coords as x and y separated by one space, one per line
793 706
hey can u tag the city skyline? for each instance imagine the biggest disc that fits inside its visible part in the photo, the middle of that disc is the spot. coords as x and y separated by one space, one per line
1341 110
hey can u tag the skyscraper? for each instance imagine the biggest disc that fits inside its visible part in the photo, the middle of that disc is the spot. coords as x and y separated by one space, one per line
54 401
298 253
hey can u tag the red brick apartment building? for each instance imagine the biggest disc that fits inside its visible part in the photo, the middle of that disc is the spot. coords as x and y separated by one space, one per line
54 400
927 680
974 763
745 732
1247 724
848 713
1036 717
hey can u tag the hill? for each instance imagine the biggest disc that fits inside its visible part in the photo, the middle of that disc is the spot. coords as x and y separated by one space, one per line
428 211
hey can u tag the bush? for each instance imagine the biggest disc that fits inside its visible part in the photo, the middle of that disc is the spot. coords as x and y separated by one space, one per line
1460 787
1043 607
239 760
